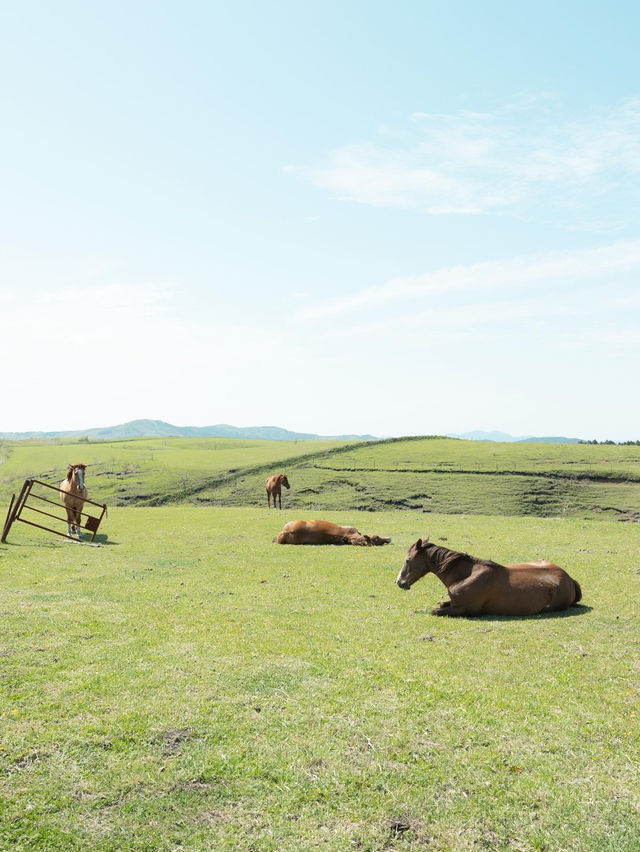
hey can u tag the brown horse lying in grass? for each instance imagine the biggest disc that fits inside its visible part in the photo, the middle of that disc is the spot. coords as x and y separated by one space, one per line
324 532
479 586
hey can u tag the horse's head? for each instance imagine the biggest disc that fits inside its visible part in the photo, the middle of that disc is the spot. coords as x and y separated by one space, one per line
283 480
76 471
378 540
416 565
282 538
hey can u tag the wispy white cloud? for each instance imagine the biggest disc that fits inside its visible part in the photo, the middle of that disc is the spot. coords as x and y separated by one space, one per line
561 322
112 297
124 349
105 314
443 322
512 160
490 276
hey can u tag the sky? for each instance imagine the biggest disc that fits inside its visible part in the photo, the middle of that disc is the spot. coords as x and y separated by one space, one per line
368 217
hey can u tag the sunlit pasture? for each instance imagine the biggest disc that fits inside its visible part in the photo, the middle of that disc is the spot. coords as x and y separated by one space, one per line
189 684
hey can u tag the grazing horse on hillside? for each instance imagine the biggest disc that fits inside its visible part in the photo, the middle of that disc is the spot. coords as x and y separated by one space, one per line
71 489
482 587
325 532
274 489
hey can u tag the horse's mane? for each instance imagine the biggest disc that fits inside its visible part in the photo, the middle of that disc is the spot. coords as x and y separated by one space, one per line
446 557
72 467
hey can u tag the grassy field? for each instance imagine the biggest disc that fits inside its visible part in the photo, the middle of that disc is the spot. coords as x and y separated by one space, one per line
440 475
142 470
452 476
190 685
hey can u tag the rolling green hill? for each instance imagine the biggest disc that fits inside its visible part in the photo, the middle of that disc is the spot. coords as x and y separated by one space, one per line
146 470
452 476
422 474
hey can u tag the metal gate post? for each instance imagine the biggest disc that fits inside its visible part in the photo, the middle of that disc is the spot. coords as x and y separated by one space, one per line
16 505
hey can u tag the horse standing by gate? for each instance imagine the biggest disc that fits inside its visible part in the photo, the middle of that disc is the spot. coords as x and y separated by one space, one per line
482 587
274 489
71 489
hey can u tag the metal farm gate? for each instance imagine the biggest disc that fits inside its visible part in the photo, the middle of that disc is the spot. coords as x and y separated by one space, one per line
26 510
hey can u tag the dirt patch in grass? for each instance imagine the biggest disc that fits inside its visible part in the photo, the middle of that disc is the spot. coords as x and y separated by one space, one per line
27 761
173 738
199 783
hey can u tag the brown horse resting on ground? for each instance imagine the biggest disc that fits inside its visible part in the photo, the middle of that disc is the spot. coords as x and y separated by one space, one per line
325 532
71 489
482 587
274 489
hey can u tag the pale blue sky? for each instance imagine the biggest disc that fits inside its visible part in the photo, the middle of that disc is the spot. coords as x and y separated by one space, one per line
393 218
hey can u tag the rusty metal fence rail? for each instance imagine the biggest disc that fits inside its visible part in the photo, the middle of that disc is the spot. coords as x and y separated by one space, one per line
21 506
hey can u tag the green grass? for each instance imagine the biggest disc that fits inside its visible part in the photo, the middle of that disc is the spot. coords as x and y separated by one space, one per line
145 469
191 685
440 475
452 476
491 457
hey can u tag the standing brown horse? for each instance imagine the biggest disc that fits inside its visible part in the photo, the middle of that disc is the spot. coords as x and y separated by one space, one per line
479 586
274 489
71 489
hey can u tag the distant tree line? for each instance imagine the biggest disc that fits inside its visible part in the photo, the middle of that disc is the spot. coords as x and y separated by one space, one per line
617 443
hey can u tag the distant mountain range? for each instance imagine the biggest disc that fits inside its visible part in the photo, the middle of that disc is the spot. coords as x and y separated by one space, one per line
504 436
160 429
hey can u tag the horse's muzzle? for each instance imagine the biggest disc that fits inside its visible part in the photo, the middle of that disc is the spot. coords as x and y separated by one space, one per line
403 585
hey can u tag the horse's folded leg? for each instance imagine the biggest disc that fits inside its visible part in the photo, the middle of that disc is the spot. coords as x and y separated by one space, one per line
450 610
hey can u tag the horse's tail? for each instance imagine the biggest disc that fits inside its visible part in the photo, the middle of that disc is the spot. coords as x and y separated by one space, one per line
578 596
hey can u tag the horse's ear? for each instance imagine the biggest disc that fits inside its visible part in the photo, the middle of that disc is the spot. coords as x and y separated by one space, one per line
419 544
